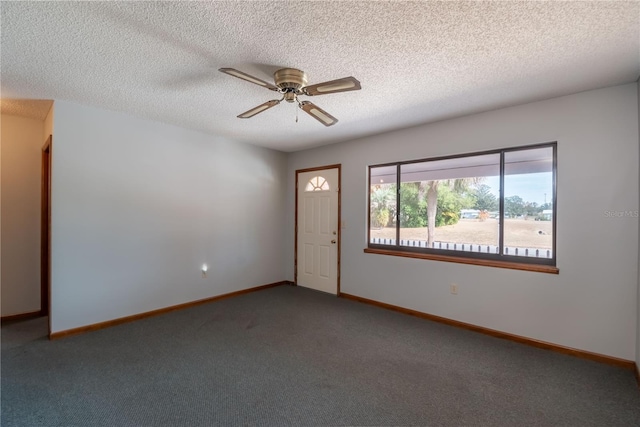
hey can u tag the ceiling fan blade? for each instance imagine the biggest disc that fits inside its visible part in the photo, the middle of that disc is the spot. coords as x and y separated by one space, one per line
249 78
341 85
318 113
259 109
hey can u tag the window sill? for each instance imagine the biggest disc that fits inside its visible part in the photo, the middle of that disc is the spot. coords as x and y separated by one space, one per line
473 261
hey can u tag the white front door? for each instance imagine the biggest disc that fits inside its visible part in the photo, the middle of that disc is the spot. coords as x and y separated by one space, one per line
317 230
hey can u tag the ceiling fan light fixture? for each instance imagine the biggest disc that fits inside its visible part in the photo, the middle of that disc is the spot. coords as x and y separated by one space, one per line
290 96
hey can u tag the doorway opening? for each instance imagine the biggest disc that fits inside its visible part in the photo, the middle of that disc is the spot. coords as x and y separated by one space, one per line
45 233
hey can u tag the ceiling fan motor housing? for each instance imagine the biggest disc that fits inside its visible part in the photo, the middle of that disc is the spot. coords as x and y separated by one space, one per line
290 79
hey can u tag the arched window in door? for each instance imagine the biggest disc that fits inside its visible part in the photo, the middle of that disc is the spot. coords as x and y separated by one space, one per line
317 183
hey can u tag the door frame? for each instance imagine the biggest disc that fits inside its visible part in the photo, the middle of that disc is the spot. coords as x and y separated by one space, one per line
45 232
295 259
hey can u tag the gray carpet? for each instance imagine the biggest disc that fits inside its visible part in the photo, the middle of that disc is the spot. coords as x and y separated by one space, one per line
290 356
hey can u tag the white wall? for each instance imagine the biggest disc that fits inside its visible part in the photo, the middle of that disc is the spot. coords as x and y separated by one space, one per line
22 143
139 206
638 309
592 304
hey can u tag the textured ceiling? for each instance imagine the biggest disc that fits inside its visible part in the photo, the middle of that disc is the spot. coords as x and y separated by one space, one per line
418 62
31 108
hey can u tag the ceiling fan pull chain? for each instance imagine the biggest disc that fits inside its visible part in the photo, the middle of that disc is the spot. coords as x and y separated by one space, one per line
296 115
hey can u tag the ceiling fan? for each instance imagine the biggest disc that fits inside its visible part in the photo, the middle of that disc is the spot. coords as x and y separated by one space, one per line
291 83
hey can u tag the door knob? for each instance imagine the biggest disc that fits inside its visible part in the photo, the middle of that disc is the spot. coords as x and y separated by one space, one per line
333 241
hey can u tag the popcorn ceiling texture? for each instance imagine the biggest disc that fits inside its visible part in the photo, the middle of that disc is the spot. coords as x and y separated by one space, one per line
31 108
418 62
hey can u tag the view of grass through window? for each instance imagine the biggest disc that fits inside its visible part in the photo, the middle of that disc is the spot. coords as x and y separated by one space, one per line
528 188
454 204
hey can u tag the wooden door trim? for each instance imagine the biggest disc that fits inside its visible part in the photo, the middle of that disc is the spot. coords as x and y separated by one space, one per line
295 250
45 231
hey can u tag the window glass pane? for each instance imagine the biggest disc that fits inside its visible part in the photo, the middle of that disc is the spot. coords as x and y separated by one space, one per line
382 215
317 183
528 203
451 204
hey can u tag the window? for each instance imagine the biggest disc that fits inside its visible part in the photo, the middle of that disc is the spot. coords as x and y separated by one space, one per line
317 183
495 208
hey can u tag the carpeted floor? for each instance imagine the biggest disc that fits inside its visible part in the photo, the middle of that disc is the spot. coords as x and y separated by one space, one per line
291 356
